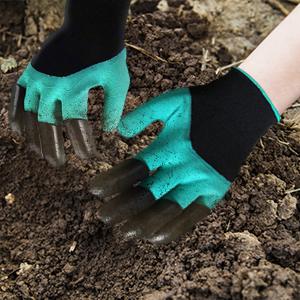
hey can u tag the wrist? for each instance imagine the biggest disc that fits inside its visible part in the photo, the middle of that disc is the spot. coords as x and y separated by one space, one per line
273 104
228 117
281 82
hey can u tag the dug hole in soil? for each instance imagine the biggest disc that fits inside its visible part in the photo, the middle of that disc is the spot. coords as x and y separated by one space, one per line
52 244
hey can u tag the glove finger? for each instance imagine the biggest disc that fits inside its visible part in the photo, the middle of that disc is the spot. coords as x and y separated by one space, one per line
80 134
162 182
149 221
74 105
126 205
32 99
156 109
50 111
183 224
16 110
115 97
32 134
52 142
119 179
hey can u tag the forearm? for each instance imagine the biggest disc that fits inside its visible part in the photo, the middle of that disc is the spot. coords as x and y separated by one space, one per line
275 64
93 32
102 16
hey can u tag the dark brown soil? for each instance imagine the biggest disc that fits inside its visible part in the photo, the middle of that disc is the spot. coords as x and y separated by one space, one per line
249 248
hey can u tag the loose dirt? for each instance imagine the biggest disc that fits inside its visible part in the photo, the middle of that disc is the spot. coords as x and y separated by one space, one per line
52 245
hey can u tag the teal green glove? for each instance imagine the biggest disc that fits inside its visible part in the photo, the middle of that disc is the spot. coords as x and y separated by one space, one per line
46 95
182 175
207 134
87 51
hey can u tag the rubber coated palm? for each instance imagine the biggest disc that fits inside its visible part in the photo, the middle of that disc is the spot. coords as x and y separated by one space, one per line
176 187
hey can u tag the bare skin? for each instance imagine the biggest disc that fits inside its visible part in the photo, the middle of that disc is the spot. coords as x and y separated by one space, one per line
275 64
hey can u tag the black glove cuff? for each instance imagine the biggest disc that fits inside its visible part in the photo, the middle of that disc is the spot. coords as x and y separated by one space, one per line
93 32
229 115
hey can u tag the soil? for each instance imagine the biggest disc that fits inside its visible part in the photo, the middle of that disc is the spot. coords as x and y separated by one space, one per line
52 245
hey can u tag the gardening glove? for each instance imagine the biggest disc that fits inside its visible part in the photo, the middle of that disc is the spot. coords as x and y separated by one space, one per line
86 52
175 182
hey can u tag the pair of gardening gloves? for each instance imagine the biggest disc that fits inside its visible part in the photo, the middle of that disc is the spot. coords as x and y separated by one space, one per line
208 131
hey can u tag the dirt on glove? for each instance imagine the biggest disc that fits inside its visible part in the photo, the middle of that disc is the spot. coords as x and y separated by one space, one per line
52 244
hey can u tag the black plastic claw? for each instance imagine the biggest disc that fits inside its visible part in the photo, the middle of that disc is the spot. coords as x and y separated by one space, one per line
52 144
32 134
16 110
148 222
119 179
46 140
183 224
82 138
126 205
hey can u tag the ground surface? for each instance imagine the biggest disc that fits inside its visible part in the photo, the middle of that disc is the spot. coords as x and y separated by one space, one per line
52 245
